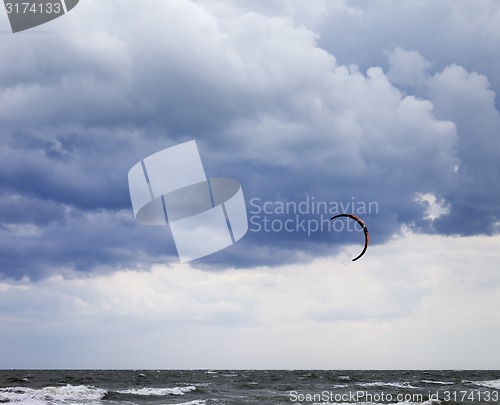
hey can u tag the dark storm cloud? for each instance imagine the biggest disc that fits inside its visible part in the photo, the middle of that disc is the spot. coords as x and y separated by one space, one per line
43 173
17 209
466 99
267 106
462 33
83 242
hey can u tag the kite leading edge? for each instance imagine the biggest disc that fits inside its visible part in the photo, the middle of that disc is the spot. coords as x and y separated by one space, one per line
365 230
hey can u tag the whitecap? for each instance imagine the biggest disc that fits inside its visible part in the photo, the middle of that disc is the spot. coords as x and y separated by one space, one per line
67 393
437 382
488 384
402 384
71 393
178 391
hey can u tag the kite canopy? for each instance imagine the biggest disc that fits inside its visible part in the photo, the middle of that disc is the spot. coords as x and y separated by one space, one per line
365 230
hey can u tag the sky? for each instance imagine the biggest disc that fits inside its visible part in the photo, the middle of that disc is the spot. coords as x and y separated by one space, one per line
388 109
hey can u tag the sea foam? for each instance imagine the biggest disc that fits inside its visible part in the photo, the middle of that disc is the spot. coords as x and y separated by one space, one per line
488 384
67 393
158 391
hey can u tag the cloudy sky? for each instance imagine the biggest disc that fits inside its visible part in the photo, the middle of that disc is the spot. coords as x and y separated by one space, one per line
342 102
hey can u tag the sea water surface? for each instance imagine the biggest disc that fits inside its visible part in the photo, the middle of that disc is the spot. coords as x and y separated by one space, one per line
235 387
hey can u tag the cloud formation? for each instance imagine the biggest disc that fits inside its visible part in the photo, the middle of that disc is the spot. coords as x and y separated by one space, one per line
340 102
294 102
397 310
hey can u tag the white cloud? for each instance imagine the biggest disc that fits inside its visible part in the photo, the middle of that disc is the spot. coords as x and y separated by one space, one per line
434 207
273 94
435 292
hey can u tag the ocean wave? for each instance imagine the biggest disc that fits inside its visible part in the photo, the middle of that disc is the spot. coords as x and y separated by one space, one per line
53 395
195 402
437 382
488 384
402 384
178 391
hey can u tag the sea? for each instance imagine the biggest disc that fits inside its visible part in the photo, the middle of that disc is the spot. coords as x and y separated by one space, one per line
241 387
